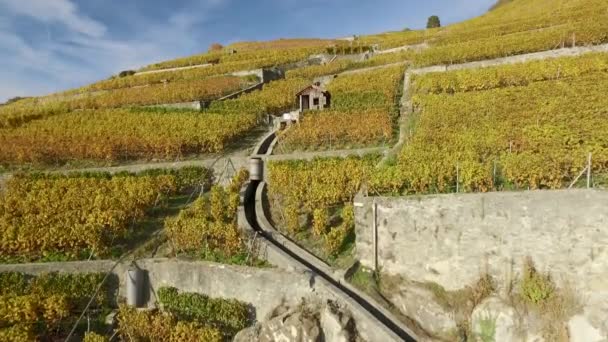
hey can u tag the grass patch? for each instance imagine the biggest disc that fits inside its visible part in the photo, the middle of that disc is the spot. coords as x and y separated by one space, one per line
540 297
462 302
600 181
487 326
365 279
145 231
243 258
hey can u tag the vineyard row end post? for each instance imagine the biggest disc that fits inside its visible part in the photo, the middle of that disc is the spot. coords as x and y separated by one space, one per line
375 234
589 171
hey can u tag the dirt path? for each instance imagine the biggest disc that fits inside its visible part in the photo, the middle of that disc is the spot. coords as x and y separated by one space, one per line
378 67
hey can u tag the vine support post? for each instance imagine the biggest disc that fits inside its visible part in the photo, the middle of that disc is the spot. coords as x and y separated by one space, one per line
457 178
589 171
494 174
375 234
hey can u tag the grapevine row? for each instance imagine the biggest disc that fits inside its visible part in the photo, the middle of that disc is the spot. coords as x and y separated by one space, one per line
24 111
273 57
121 134
510 75
377 89
338 130
339 66
581 33
282 44
275 98
169 76
131 134
172 92
209 226
76 215
534 136
316 188
44 307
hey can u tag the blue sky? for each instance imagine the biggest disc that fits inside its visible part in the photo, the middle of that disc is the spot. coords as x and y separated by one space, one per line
51 45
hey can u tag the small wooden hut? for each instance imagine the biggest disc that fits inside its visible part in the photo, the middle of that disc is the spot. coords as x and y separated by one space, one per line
313 97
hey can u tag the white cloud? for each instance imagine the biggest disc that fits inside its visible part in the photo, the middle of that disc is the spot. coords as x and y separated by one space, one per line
49 65
56 11
189 17
21 50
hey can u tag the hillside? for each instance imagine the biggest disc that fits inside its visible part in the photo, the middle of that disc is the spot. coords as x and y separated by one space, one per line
500 3
517 27
365 108
150 164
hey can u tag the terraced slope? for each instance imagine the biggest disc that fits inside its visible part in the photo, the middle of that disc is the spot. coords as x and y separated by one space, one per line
253 54
203 89
85 124
529 125
520 26
363 113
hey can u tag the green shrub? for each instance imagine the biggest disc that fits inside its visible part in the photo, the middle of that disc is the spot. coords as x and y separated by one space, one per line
228 315
348 217
335 239
126 73
292 217
78 288
144 326
18 333
535 287
433 22
13 283
94 337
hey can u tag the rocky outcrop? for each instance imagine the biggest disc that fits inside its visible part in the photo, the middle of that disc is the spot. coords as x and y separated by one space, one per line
581 330
494 320
419 304
308 322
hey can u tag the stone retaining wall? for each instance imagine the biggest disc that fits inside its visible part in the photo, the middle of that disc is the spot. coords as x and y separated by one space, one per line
264 289
451 239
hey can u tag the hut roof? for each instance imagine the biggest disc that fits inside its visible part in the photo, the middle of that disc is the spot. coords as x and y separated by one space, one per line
316 87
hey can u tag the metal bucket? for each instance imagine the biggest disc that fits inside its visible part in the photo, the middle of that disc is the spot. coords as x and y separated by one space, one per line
135 285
